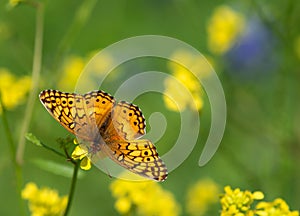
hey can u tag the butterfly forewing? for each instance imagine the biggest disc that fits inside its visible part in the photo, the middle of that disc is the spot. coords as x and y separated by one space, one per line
98 106
79 114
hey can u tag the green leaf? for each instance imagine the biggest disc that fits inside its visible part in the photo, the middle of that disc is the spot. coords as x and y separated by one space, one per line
30 137
56 168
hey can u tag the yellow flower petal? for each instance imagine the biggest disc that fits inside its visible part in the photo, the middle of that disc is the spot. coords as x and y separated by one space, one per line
75 141
277 207
79 153
123 205
29 191
237 201
258 195
85 163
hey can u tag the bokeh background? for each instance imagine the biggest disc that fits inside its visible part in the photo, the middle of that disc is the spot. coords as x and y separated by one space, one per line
254 46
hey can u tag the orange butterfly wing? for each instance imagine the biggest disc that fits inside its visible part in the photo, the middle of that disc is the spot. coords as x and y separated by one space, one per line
79 114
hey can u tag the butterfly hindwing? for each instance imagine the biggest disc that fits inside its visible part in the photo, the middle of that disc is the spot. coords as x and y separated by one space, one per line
138 156
128 120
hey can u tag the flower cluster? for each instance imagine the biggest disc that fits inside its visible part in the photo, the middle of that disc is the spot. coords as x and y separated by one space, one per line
277 207
200 196
143 198
237 202
13 89
184 87
44 201
223 29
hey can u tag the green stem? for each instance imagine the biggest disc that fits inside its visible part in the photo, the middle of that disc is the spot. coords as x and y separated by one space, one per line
7 131
72 189
53 150
17 167
37 62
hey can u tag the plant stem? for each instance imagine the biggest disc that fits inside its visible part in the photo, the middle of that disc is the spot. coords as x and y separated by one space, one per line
17 167
8 132
72 189
53 150
37 62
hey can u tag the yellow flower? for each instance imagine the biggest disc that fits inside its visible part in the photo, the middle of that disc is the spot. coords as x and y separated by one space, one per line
71 71
223 28
12 89
80 153
100 65
200 196
145 198
276 208
199 65
44 201
123 205
74 66
185 90
237 202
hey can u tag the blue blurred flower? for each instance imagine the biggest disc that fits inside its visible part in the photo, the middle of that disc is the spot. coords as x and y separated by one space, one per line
254 54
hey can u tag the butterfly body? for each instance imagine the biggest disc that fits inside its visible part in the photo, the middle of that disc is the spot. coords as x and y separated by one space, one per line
107 127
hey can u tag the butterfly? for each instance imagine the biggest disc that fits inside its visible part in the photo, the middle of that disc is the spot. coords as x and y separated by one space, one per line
109 127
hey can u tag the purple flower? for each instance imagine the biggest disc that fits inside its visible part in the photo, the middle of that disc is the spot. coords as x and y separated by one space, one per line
254 54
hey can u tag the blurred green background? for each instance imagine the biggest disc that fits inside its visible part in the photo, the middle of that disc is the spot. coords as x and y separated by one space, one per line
259 73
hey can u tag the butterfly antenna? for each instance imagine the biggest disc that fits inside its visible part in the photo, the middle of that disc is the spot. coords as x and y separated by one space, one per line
107 172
